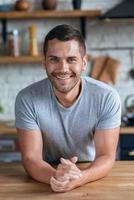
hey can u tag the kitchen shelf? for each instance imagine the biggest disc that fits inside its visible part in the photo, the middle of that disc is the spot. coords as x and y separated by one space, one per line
20 59
50 14
40 14
25 59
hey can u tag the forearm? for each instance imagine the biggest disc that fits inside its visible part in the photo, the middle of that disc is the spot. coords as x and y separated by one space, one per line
39 170
97 170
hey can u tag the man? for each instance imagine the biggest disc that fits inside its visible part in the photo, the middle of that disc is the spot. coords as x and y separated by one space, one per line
67 118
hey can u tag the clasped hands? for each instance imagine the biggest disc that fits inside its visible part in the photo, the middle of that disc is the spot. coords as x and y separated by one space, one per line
66 176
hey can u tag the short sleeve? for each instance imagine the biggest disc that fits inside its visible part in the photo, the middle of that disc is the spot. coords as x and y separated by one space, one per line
25 115
110 112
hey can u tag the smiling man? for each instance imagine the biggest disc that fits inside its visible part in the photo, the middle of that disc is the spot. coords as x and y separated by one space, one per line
67 118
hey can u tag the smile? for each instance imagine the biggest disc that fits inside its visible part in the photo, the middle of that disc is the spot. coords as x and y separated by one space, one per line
63 77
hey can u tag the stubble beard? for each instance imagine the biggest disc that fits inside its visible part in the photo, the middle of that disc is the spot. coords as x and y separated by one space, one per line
64 88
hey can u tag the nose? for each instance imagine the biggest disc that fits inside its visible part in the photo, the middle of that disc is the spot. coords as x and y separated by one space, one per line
63 66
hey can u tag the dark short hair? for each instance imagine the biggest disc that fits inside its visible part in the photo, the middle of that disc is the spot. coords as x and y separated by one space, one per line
64 32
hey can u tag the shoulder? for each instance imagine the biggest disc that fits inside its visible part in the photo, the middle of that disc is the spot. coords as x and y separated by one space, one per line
99 88
35 89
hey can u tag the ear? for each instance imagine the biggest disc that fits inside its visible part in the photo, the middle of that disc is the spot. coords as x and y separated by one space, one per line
85 60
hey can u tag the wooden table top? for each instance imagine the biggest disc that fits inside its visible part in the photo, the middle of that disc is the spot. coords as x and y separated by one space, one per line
118 185
7 128
127 130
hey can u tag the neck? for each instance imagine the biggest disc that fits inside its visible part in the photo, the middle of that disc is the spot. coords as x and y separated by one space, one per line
67 99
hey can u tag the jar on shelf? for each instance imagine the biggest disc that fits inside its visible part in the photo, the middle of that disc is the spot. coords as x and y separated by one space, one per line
22 5
49 4
13 43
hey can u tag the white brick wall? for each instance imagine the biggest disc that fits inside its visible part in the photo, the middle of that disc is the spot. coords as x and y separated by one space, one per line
116 40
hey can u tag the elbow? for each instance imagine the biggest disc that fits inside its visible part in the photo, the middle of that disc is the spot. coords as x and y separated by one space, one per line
109 163
27 160
29 163
106 162
111 159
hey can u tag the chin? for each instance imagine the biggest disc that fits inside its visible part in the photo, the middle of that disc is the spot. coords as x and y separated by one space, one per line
64 86
63 90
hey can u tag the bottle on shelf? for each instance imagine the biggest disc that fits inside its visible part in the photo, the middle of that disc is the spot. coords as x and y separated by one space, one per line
13 43
76 4
33 48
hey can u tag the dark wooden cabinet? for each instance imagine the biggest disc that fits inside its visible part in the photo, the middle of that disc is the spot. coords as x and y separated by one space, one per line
126 146
9 147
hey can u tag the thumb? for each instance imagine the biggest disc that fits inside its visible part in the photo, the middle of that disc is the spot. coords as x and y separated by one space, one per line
65 161
74 159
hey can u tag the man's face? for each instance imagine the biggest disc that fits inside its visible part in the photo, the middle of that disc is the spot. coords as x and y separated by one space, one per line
64 64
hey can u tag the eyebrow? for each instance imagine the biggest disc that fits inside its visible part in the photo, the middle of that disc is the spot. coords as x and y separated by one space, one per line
52 56
59 57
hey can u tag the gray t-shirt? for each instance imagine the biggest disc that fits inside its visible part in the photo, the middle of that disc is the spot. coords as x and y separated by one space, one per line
68 132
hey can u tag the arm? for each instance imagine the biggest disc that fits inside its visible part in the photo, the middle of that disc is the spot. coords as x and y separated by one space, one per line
31 149
105 145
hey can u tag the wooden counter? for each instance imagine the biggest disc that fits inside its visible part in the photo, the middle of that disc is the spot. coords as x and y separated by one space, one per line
6 129
127 130
118 185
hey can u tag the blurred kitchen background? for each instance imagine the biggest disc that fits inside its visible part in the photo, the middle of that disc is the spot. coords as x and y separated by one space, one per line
109 41
114 39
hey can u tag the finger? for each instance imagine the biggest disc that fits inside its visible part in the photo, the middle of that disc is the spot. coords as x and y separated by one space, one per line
72 168
69 176
58 183
74 172
63 178
74 159
65 161
74 177
57 189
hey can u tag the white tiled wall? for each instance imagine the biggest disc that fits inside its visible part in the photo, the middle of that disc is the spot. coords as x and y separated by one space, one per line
116 40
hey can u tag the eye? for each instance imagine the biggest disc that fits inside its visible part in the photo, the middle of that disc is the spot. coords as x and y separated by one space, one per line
54 59
72 60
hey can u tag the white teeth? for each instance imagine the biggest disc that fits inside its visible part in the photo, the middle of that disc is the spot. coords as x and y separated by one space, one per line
63 78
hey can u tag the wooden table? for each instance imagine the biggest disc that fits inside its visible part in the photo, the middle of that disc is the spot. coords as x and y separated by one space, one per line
127 130
7 129
118 185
